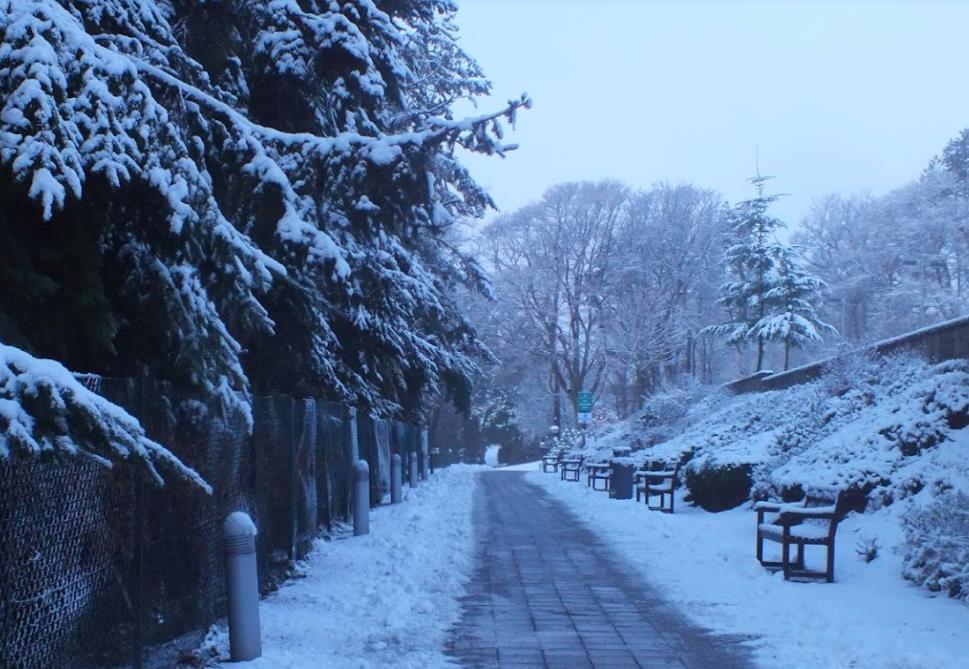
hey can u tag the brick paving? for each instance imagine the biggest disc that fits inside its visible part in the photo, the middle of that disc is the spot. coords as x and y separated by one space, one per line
548 593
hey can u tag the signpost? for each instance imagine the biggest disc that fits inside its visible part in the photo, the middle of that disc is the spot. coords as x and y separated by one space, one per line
583 402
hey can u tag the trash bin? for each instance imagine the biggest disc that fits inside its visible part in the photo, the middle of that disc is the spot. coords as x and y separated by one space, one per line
621 481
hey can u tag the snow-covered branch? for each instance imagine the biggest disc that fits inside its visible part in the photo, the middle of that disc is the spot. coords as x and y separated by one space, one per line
46 412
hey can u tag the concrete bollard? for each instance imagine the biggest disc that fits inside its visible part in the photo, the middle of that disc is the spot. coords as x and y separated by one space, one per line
396 478
433 457
361 498
242 587
413 469
425 456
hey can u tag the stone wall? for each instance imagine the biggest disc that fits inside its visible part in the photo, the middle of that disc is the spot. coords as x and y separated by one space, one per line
943 341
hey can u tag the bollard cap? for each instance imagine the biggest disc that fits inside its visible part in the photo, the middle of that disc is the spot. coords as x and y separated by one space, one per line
395 457
361 470
239 523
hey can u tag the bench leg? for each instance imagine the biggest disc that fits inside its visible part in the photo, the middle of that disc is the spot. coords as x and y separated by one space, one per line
786 559
829 573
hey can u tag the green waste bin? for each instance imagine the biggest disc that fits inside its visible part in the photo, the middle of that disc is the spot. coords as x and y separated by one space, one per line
621 481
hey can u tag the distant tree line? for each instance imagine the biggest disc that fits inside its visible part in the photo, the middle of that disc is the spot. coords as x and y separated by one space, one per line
623 292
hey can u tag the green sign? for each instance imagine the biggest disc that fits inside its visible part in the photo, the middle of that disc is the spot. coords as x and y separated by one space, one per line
584 401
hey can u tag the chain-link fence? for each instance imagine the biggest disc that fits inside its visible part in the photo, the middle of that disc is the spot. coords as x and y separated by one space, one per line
98 567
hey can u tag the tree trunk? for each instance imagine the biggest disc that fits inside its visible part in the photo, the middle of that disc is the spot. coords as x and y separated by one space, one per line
760 355
557 409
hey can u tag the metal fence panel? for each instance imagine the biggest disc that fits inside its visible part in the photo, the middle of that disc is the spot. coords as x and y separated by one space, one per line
97 565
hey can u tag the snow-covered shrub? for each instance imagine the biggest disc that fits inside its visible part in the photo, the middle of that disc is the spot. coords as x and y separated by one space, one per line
664 413
718 487
937 536
566 440
664 408
850 371
862 439
867 549
930 408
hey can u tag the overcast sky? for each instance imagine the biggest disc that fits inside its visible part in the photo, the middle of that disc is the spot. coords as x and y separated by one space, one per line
836 96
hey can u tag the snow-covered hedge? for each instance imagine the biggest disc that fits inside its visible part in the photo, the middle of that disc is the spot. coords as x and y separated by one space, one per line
46 412
867 437
868 425
938 545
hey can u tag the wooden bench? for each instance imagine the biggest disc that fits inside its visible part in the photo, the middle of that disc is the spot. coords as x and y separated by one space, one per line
598 471
660 484
551 461
570 469
810 522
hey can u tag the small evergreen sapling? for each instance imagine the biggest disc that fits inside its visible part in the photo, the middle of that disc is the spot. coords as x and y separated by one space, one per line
750 262
791 304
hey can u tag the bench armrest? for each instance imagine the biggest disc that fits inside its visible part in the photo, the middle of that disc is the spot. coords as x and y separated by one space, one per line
654 475
800 513
770 507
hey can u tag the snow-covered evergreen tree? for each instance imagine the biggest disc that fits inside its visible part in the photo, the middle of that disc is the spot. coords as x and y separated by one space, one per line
791 304
750 261
241 194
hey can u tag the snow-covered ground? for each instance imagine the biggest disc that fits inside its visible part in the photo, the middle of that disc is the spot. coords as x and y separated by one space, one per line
383 600
704 564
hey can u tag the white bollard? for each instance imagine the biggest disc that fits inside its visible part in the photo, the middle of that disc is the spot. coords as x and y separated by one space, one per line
425 456
396 478
242 587
361 498
413 469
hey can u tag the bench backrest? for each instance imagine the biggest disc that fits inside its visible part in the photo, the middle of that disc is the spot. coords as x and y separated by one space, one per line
840 509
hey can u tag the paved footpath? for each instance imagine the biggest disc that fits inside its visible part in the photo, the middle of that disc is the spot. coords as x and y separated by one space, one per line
548 593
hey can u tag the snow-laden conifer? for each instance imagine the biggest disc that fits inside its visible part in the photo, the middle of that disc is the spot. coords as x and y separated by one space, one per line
791 304
241 194
749 261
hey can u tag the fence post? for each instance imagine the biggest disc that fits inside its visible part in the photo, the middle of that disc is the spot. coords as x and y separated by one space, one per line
138 598
352 441
293 471
396 478
425 455
412 469
361 498
351 453
242 587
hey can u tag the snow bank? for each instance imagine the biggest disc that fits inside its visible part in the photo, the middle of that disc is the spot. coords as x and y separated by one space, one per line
868 425
704 564
383 600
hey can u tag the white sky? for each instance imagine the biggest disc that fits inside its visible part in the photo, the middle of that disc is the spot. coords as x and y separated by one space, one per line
837 96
